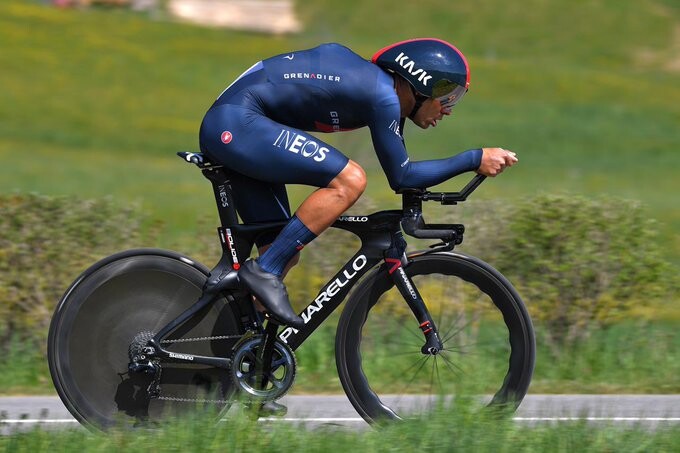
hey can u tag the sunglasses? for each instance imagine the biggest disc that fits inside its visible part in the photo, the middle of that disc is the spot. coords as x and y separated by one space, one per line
448 93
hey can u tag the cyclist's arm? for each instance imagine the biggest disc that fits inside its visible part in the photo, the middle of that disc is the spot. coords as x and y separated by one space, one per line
400 170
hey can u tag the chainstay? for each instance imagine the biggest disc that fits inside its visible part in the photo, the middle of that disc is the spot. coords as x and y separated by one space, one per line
197 400
187 340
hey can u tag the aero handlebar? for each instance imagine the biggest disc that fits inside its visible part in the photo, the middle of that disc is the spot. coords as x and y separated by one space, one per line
413 223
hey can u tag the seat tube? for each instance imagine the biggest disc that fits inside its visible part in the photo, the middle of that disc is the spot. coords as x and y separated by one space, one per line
395 258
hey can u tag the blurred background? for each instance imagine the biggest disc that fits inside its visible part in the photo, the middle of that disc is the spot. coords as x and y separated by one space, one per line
97 96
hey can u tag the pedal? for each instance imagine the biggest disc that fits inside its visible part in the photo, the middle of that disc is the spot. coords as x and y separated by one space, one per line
256 409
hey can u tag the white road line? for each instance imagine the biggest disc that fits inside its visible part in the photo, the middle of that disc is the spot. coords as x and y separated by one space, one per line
313 419
358 419
27 421
517 419
597 419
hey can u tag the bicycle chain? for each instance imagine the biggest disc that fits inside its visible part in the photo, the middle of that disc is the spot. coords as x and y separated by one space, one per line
192 400
187 340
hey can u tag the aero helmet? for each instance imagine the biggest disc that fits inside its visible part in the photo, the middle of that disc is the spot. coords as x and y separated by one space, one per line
434 68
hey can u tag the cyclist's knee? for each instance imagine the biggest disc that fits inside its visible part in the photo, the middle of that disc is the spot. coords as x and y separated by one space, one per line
351 182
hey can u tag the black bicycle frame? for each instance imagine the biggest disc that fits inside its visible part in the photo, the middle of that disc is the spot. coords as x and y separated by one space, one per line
381 241
377 233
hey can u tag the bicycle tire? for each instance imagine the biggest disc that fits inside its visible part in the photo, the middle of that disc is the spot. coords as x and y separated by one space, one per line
373 358
100 314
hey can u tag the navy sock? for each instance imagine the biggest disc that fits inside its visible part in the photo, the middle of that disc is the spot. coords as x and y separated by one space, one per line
294 236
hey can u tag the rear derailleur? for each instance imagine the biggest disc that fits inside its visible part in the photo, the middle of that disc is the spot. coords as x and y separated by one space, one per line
142 360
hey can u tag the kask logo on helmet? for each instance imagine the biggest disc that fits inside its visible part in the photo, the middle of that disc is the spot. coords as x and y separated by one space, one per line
407 63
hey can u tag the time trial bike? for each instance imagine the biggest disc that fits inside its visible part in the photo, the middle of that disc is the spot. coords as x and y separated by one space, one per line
148 333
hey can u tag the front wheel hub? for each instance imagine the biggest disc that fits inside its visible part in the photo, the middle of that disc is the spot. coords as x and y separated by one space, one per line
433 344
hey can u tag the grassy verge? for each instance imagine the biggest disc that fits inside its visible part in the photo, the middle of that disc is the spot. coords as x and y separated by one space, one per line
97 101
460 429
23 371
625 358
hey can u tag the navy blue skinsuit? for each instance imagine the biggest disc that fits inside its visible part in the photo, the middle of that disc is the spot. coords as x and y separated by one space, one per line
257 128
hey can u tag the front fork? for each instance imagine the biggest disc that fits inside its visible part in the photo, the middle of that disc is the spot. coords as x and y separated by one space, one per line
395 259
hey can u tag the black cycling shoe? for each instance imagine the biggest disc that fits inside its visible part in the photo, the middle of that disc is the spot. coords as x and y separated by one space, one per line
271 292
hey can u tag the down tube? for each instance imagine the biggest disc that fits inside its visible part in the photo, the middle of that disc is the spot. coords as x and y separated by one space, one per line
332 295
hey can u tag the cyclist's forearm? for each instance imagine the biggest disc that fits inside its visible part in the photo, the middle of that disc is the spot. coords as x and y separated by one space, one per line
429 173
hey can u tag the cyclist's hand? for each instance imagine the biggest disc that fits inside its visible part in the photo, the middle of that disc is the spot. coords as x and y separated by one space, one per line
495 160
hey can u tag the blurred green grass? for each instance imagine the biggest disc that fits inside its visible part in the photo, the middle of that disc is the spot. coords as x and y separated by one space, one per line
96 102
461 427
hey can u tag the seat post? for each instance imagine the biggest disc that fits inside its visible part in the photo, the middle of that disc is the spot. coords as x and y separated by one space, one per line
223 196
231 246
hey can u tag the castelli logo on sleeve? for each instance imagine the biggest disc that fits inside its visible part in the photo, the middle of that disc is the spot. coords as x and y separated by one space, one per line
226 137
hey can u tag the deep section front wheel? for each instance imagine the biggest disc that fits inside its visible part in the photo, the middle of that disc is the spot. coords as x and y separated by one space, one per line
116 302
488 339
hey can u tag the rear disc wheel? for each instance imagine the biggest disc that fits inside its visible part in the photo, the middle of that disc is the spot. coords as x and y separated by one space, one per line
97 321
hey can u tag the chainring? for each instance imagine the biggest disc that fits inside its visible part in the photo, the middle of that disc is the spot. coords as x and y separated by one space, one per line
279 378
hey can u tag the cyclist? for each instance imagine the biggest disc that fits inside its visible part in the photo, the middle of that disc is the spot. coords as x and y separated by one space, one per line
259 128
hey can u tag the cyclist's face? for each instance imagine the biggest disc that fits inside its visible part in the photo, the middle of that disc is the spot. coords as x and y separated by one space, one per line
429 113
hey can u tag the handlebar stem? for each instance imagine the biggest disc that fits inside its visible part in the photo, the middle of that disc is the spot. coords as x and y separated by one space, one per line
413 223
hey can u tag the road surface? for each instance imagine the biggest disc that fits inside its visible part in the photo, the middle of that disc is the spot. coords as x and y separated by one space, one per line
18 413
